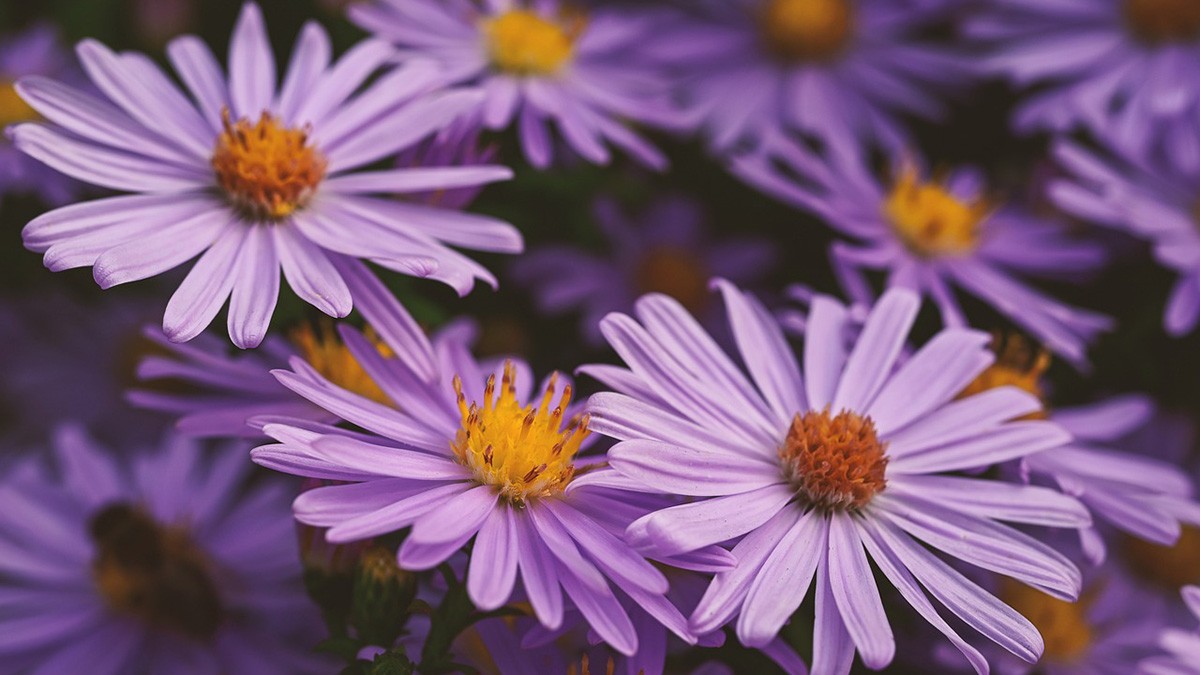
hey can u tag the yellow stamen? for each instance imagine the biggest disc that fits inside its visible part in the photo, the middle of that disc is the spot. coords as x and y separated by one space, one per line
1018 364
929 220
523 451
267 170
326 353
13 108
1159 21
807 30
521 42
1064 625
1168 567
675 272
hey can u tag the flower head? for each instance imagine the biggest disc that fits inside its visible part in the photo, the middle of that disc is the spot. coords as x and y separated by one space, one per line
253 176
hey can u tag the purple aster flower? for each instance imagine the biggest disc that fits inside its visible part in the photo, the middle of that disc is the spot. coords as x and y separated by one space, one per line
1123 68
1151 197
456 145
933 235
462 451
664 250
252 178
153 566
816 476
537 63
842 71
36 51
1182 647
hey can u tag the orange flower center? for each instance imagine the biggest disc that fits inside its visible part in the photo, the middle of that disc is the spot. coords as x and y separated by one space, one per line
1168 567
675 272
1159 21
13 108
154 573
267 170
522 450
1018 364
807 30
835 463
521 42
1064 625
330 357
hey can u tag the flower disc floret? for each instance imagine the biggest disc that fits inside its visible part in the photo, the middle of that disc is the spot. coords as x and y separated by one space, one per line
930 220
522 42
807 30
268 170
330 357
1064 626
1159 21
835 462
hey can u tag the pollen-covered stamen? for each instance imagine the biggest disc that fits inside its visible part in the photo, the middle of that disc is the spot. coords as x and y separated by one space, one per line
330 357
267 170
13 108
524 451
807 30
1064 625
930 220
834 462
155 573
1158 21
676 272
522 42
1018 364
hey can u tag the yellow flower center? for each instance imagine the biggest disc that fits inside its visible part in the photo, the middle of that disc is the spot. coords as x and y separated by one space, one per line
1064 625
1018 364
1168 567
807 30
675 272
330 357
834 462
929 220
524 451
585 667
1159 21
13 108
154 573
267 170
523 43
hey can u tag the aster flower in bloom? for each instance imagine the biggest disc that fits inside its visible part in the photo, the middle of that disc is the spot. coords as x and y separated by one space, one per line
252 178
1149 196
36 51
160 568
463 450
817 475
839 70
537 63
664 250
1182 647
1123 68
936 234
1143 496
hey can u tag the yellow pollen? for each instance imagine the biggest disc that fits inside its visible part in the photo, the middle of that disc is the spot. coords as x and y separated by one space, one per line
1168 567
675 272
807 30
585 667
524 451
1064 625
326 353
13 108
835 462
1018 364
1159 21
267 170
929 220
523 43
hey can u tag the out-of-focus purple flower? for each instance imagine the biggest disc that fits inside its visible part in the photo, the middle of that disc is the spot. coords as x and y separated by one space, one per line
70 357
818 475
36 51
935 235
456 145
1123 68
464 450
537 64
842 71
1149 196
253 178
1182 646
157 565
157 21
663 250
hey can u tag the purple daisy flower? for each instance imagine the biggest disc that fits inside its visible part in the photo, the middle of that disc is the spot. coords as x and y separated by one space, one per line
253 179
160 568
817 475
456 145
1182 647
459 455
840 70
1151 197
933 235
537 63
665 250
1123 68
36 51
